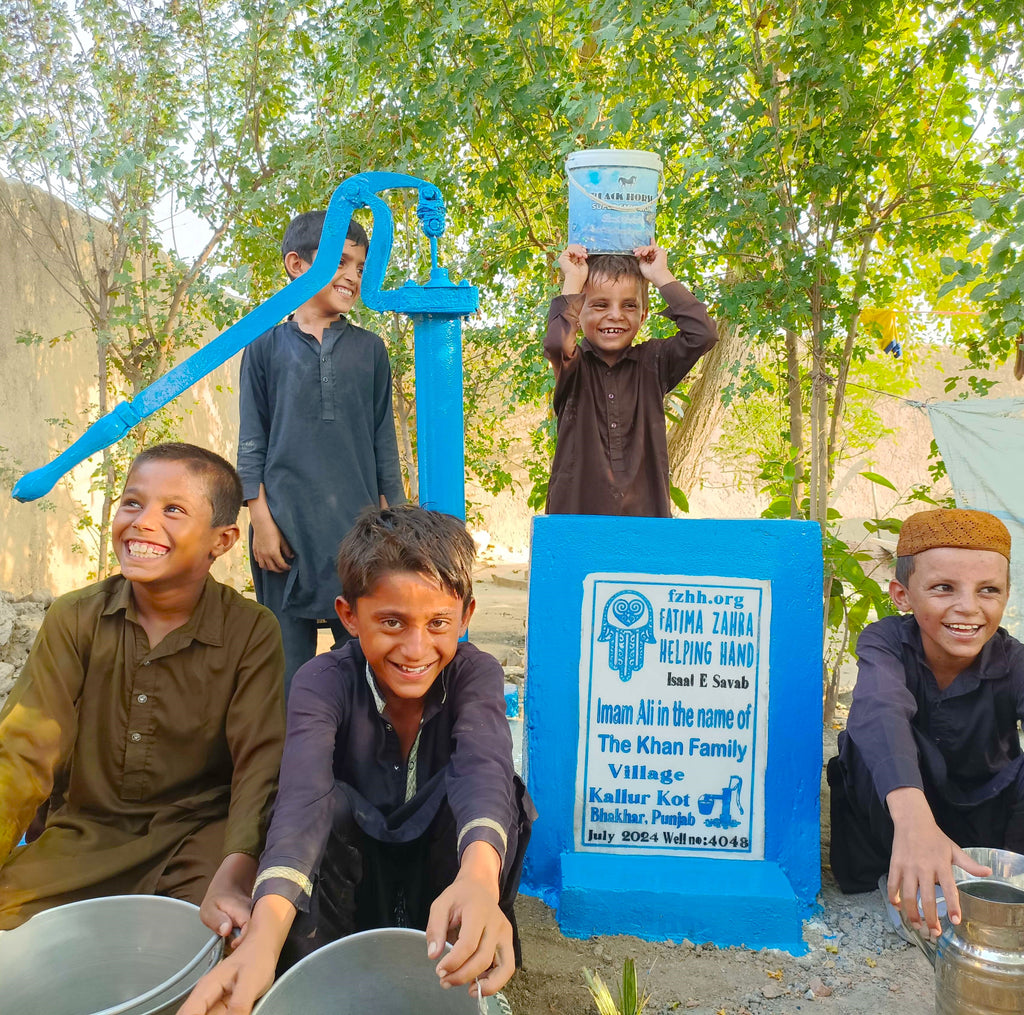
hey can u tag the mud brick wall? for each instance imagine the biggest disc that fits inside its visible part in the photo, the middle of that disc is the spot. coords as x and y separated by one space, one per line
19 623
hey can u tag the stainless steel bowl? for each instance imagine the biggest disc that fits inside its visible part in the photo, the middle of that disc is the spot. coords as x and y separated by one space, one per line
375 972
122 955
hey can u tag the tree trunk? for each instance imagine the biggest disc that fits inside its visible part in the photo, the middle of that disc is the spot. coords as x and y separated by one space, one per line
688 440
819 414
402 413
796 422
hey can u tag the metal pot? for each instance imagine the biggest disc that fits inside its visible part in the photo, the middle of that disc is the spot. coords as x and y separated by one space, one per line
979 963
383 971
122 955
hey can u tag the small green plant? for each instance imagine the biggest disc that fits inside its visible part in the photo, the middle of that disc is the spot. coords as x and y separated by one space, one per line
630 1001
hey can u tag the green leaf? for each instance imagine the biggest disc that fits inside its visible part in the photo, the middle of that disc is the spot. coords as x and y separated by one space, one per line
981 208
880 480
679 499
628 997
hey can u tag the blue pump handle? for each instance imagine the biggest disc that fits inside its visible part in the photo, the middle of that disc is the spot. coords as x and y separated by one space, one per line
356 192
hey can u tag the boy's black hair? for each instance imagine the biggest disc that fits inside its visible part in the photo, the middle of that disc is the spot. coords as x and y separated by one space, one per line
303 235
616 266
223 487
411 539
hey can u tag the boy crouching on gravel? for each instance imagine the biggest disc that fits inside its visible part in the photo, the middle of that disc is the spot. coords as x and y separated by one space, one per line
398 803
931 761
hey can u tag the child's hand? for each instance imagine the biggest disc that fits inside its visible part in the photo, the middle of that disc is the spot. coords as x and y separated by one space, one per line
654 264
483 949
227 903
573 262
226 911
270 549
233 985
922 857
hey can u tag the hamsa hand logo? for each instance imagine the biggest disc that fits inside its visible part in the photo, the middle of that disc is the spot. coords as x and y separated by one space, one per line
627 625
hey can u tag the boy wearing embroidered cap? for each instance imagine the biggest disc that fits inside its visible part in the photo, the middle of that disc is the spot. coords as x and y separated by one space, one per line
931 761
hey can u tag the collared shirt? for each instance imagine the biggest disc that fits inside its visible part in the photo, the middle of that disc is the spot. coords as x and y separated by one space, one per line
316 429
145 744
612 452
968 732
340 740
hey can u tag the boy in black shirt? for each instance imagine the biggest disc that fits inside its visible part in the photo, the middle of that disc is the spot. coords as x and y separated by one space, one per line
398 804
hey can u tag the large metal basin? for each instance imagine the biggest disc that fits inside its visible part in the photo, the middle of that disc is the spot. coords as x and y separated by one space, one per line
123 955
383 972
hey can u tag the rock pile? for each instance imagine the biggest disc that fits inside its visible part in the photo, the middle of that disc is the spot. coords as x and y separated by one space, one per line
19 623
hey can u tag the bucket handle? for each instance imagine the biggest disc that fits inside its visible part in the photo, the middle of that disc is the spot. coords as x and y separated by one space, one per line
618 207
161 987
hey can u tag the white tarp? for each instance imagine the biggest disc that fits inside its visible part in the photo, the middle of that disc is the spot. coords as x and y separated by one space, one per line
982 444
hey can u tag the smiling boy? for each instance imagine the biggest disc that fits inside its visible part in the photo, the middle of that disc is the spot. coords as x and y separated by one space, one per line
316 441
398 803
612 453
931 761
149 714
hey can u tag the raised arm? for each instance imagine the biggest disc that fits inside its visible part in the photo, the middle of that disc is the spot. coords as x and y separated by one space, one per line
695 331
563 316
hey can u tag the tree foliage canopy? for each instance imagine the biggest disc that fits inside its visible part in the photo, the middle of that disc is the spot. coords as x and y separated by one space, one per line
822 159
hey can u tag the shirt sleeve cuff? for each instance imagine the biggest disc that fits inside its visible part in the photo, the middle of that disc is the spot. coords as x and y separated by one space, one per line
483 830
896 774
251 488
288 882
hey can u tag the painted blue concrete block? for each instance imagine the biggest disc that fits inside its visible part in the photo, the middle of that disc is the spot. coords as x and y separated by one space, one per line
674 726
758 910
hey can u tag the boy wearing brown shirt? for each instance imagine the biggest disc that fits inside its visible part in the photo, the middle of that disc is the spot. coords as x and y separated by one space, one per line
149 714
612 452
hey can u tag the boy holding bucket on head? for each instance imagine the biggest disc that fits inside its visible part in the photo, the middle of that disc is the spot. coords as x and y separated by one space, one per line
398 804
612 453
316 441
931 760
149 714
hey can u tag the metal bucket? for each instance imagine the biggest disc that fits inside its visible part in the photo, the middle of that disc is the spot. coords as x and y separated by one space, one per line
383 971
979 963
123 955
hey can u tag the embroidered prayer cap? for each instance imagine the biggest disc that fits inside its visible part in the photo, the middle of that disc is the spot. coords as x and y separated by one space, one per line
957 527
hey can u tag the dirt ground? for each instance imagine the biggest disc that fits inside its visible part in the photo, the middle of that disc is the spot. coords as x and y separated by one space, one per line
855 963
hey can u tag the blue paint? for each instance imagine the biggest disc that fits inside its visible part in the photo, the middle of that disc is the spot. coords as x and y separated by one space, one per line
613 198
437 308
511 701
442 456
756 902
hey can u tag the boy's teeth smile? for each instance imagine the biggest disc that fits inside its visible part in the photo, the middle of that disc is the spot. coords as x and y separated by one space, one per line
139 549
344 290
964 628
413 670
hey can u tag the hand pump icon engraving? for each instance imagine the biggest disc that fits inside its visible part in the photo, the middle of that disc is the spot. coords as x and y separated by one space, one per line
436 308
